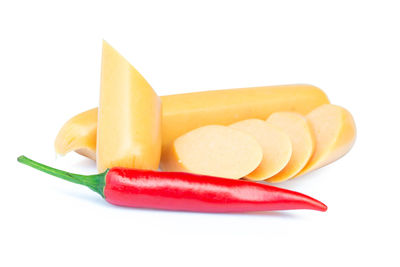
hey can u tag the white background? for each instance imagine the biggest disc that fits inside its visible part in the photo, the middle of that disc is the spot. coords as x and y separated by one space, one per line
50 70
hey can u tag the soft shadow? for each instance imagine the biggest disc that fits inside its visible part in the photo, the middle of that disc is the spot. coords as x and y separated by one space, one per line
278 214
89 196
300 180
281 214
86 163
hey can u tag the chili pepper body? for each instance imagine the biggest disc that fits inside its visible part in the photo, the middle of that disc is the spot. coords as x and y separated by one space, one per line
190 192
185 191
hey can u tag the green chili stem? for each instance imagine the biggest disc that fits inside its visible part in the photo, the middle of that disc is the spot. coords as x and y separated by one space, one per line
95 182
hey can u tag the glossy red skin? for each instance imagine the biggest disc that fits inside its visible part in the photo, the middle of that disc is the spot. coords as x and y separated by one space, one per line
200 193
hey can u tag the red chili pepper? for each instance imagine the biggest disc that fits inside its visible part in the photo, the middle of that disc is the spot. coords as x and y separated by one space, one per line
184 191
